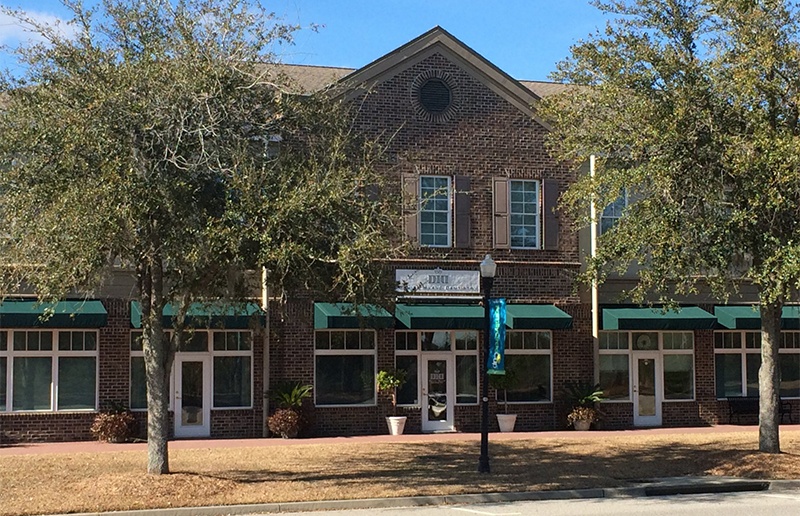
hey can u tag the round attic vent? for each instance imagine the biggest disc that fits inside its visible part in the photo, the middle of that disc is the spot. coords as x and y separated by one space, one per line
434 96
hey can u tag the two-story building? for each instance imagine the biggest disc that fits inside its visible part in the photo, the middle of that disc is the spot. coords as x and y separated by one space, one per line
468 158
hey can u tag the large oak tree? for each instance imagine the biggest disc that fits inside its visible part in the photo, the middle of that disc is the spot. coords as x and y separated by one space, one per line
692 107
143 139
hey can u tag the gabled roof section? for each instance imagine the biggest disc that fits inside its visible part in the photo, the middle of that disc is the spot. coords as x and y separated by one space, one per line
438 40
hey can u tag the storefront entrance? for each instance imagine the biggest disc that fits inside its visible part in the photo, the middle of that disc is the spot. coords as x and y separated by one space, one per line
438 387
646 389
192 396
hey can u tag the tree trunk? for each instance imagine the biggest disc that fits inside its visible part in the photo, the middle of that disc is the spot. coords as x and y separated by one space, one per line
158 358
768 383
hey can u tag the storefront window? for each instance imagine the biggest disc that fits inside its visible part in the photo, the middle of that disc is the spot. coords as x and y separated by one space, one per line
344 367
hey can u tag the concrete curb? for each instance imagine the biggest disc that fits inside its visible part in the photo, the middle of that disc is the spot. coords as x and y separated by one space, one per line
657 487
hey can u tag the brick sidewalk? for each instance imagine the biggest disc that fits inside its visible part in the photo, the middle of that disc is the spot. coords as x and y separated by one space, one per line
98 447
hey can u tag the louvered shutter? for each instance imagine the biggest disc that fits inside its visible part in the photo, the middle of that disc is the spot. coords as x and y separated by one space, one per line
500 220
463 226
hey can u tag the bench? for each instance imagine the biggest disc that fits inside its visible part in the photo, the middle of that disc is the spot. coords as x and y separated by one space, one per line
748 406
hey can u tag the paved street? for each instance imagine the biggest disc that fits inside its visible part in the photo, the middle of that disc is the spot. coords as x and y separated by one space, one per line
725 504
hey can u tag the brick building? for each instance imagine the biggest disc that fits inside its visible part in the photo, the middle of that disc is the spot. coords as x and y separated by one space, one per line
469 159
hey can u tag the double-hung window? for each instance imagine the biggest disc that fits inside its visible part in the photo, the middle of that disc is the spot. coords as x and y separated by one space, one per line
344 367
612 213
435 211
524 214
48 370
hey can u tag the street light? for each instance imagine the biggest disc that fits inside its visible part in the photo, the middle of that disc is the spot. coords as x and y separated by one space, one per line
488 270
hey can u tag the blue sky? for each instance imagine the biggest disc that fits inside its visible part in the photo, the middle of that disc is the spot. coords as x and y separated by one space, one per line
525 38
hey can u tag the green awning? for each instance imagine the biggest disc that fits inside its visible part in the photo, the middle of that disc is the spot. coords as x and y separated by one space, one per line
749 318
206 315
688 318
65 314
343 315
440 317
537 317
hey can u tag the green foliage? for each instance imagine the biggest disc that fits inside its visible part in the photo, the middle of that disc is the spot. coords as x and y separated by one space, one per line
389 382
691 107
290 394
145 145
505 383
582 394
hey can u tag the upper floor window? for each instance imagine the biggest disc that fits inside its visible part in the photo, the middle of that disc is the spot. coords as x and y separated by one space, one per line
524 214
612 213
434 211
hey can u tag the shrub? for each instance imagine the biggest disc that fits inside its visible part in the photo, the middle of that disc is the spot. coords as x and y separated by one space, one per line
285 422
115 424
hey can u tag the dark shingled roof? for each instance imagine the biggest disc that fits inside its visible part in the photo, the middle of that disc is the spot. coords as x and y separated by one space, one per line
306 79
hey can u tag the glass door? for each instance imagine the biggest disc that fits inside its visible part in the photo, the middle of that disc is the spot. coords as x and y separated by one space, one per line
437 393
646 389
192 397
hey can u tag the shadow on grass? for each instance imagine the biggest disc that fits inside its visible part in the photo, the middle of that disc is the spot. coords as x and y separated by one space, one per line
447 468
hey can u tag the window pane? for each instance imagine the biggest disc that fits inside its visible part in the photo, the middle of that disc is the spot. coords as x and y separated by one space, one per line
3 372
3 340
352 340
753 365
466 340
32 379
219 341
77 383
434 211
232 382
345 380
64 341
337 340
728 371
524 211
790 375
532 377
407 394
138 384
90 341
614 376
136 341
197 342
435 340
466 379
322 340
678 377
645 341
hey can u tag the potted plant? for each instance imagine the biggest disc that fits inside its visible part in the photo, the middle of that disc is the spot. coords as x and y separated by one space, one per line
287 420
503 383
115 424
388 382
583 396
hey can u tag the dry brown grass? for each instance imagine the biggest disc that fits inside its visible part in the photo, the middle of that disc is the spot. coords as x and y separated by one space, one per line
83 482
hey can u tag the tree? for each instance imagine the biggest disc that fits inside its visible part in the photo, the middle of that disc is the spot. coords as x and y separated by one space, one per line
142 141
691 106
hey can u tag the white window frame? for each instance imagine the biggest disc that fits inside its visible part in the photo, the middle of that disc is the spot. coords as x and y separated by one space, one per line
607 214
348 352
541 352
419 353
661 352
743 350
422 210
55 355
536 213
209 353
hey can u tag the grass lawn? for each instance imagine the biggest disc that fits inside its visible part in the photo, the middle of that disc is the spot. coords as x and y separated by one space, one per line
84 482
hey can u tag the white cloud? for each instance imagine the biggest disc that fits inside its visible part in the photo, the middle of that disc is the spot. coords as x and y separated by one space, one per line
13 31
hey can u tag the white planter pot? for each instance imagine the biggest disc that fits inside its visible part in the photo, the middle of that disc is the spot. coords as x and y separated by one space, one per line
396 424
582 425
506 422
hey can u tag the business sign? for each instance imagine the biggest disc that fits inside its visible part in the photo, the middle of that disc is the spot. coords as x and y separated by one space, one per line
437 281
497 337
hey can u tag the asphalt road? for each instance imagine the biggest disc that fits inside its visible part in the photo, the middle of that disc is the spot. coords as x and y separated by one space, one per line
764 503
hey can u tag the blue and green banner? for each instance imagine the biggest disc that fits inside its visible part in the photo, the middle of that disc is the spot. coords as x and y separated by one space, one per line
497 337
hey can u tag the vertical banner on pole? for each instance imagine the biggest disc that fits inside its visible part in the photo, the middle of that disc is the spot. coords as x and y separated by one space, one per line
497 337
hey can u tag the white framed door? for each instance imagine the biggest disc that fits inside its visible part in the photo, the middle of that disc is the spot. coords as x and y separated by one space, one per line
192 396
438 392
646 389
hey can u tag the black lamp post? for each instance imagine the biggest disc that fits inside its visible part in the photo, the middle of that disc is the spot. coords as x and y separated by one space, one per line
488 270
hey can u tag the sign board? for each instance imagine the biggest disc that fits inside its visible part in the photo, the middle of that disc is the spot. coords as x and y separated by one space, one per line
437 281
